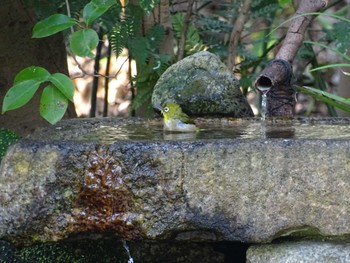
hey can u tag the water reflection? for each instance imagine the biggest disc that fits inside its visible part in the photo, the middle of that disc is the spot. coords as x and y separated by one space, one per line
179 136
221 130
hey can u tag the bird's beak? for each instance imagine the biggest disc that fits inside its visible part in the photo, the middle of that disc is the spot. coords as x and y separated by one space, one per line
157 108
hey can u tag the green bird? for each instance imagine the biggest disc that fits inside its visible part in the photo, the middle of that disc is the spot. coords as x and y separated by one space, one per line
175 119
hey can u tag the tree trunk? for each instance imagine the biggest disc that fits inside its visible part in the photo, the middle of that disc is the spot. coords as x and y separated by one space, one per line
18 51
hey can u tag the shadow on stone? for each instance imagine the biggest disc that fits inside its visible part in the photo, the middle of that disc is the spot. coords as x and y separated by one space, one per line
112 250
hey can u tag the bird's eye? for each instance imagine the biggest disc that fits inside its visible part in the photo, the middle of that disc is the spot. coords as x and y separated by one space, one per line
166 109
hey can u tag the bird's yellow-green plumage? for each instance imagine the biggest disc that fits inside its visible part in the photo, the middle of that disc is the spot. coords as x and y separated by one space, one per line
175 119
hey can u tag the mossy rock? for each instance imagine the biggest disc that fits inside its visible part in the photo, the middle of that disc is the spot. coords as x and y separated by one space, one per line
7 138
203 86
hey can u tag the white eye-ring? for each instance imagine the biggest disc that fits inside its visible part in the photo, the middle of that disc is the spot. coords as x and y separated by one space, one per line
166 109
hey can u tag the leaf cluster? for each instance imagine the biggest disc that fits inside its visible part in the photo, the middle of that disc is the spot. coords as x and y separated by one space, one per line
59 89
54 98
142 47
206 30
193 42
335 40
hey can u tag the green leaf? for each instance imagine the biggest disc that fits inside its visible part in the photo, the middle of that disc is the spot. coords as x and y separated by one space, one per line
144 94
53 104
155 36
326 97
308 14
35 73
104 2
95 9
64 84
118 39
139 49
126 29
331 66
329 48
284 3
83 41
19 94
52 25
148 5
177 21
194 42
341 35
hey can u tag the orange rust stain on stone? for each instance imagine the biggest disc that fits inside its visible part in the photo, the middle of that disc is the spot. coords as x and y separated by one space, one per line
104 202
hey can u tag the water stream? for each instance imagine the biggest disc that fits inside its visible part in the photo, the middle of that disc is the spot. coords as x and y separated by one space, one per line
126 247
263 115
263 106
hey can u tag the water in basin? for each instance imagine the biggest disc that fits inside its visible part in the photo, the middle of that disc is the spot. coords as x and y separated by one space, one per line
224 128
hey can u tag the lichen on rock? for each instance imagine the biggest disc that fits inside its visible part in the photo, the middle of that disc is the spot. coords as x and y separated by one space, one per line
203 86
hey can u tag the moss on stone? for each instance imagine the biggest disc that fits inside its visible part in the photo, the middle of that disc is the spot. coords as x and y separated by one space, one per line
7 138
82 251
203 86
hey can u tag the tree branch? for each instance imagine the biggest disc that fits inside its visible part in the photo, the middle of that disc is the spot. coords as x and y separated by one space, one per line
236 32
182 41
297 29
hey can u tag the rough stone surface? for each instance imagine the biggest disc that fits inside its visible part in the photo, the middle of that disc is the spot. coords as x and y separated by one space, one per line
54 185
203 86
112 250
306 252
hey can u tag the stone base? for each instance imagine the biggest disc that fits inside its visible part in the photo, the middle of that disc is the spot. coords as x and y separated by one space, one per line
303 251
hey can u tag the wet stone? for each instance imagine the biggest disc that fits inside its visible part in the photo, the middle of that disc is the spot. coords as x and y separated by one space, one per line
252 186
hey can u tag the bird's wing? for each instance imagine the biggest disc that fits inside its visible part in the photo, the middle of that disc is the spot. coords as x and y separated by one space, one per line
186 119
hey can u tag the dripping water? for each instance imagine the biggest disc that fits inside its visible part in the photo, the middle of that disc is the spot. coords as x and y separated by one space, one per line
126 247
263 106
263 115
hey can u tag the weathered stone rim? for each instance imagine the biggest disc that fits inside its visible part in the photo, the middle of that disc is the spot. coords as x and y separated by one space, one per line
83 126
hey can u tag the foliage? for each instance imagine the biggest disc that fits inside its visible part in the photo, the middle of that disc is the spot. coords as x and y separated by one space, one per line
95 9
208 30
52 25
7 138
83 42
326 97
148 5
55 96
147 78
193 43
144 49
336 40
124 31
257 45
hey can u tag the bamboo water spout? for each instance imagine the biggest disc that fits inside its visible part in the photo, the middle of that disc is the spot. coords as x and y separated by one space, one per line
275 82
275 79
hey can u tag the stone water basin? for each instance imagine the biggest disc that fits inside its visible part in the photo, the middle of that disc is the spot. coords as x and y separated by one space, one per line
235 180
